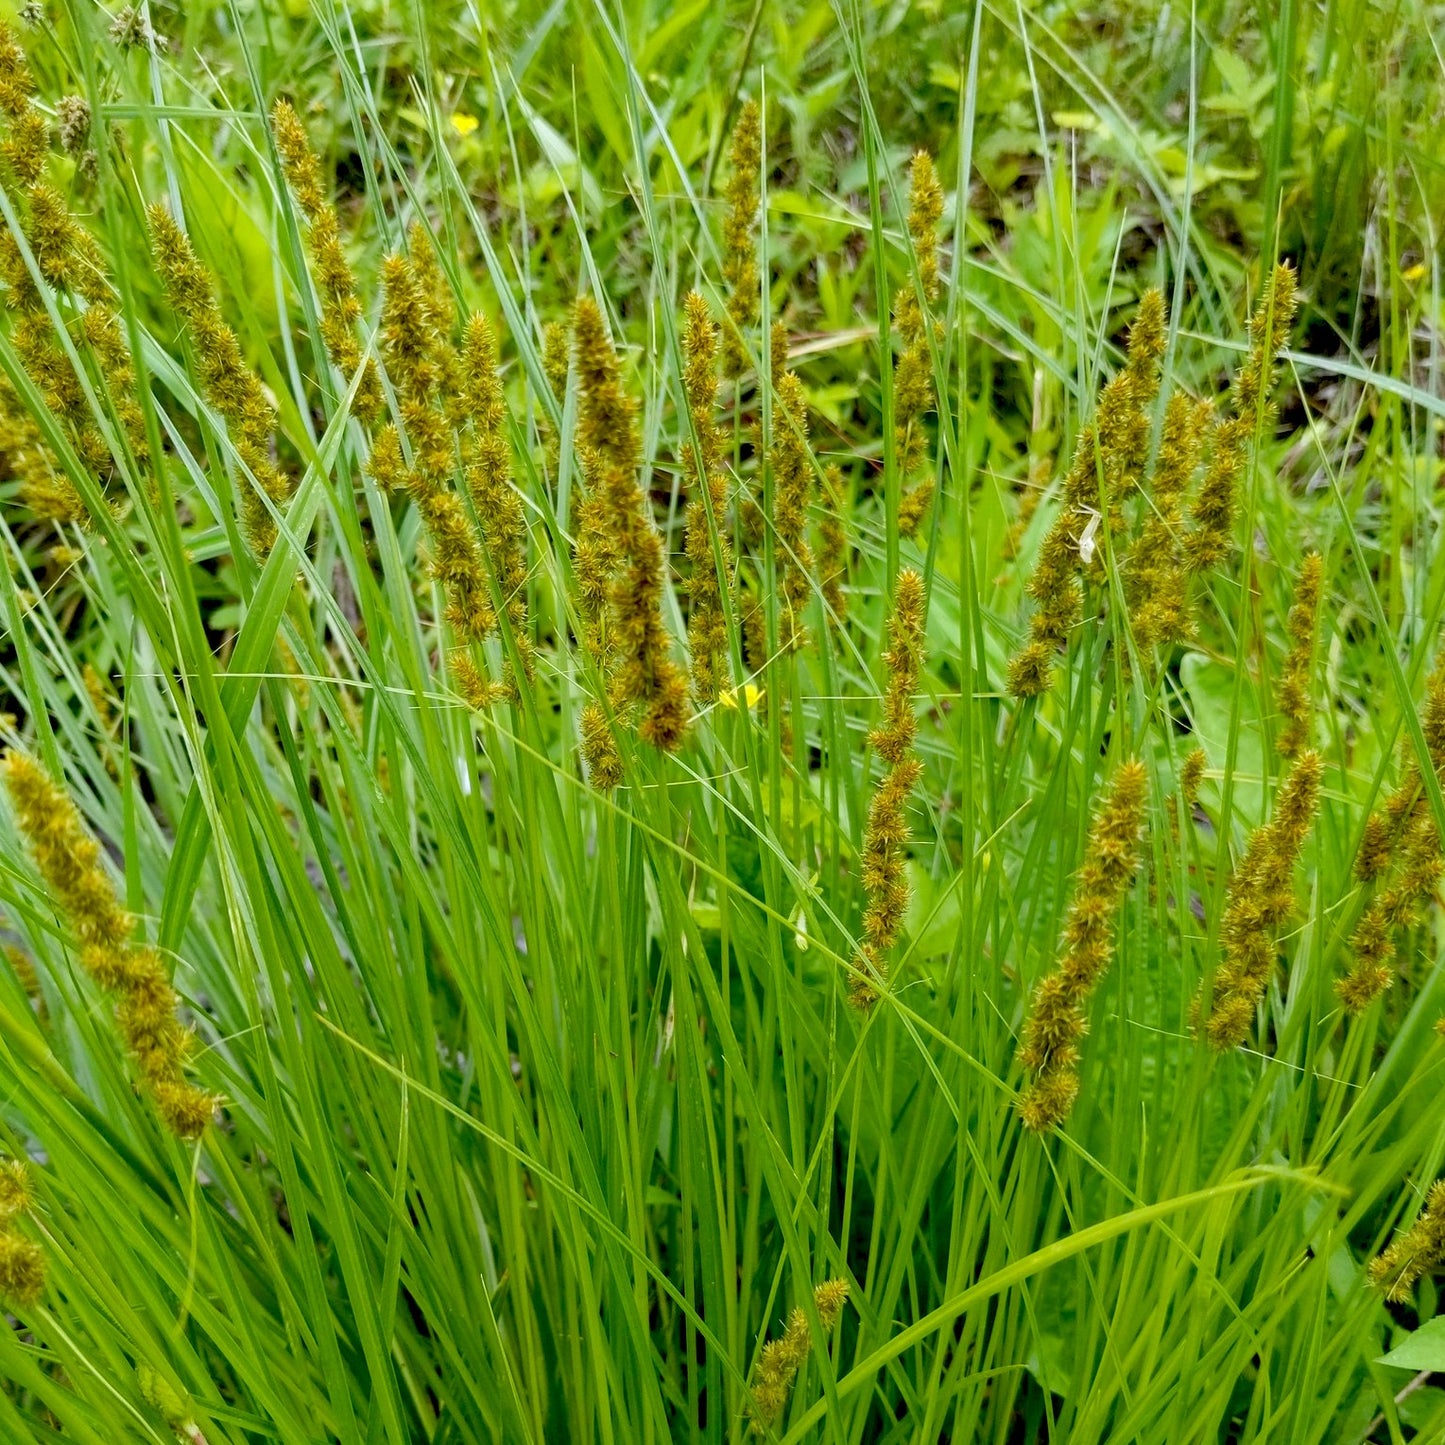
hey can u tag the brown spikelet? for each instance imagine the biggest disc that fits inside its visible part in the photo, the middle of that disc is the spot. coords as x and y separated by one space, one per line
1156 583
229 383
409 344
913 390
1399 850
1294 685
1259 898
1054 584
22 1270
1210 537
599 749
1413 1252
637 647
885 839
68 859
707 545
781 1359
489 476
792 485
740 257
833 548
1049 1049
335 283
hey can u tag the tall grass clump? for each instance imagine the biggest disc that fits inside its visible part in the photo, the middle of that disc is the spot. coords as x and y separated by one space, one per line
753 752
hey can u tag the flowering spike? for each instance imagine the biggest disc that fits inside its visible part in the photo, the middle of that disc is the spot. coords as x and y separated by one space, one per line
781 1359
1056 1021
1414 1251
1211 536
913 391
1294 688
706 619
1402 845
1260 897
833 548
885 840
626 561
229 383
740 258
489 476
69 861
340 308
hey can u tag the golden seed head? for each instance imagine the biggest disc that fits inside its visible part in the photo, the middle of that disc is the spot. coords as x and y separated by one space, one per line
833 549
740 262
608 416
884 869
230 385
72 114
471 683
556 344
1146 344
1294 686
706 619
1049 1099
780 1360
16 1196
17 84
298 160
1210 539
1056 1021
925 210
340 308
22 1270
1191 775
599 749
1269 329
792 487
184 1109
408 342
1258 900
1181 443
1414 1251
67 857
830 1297
69 862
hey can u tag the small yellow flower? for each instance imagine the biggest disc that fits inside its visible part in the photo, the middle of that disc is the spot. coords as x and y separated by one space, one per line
752 695
463 123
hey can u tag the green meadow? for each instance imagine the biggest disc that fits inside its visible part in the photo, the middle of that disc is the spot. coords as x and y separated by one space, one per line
722 720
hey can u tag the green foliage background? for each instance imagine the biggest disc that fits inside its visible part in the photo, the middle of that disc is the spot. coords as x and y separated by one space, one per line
543 1107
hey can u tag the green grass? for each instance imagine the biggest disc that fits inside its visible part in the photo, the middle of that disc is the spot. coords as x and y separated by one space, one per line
544 1107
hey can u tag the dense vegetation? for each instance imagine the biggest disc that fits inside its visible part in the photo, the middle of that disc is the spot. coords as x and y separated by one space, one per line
721 722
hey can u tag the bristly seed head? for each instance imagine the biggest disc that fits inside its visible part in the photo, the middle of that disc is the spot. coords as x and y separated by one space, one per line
1056 1020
